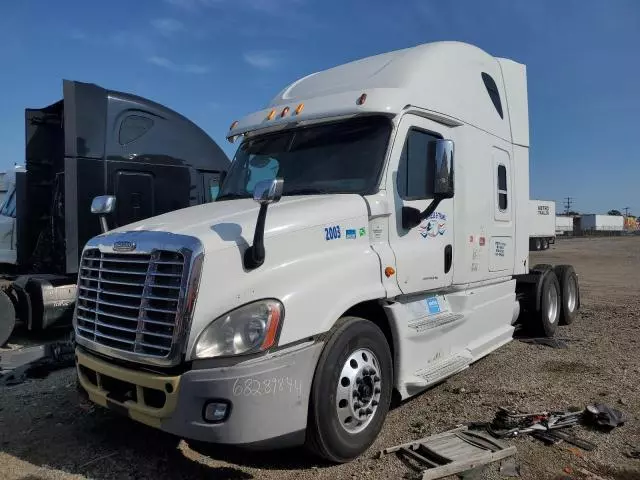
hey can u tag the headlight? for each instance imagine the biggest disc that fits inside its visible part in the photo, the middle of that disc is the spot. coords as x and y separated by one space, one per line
248 329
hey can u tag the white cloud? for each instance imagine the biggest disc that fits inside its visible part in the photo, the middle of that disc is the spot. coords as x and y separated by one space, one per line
263 60
77 35
167 26
164 62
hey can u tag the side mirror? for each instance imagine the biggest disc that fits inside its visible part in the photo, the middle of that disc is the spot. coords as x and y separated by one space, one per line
268 191
443 185
443 178
265 193
103 205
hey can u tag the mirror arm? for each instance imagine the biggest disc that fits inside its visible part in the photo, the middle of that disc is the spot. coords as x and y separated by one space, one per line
412 217
254 255
103 224
431 208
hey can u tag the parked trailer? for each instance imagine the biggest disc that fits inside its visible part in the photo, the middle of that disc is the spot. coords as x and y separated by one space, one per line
335 266
601 223
542 224
564 225
92 142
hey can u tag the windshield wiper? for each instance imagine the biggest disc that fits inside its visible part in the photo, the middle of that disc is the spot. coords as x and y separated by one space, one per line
231 196
305 191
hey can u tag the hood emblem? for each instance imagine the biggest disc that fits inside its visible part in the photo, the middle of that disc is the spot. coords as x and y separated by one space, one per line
124 246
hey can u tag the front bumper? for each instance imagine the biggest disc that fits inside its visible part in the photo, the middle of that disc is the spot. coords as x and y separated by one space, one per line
268 397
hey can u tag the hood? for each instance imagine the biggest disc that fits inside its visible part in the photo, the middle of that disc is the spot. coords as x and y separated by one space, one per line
230 223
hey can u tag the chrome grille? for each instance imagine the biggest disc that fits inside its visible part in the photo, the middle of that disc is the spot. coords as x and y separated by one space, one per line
131 302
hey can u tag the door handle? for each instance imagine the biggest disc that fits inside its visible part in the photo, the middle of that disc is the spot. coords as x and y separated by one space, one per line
448 258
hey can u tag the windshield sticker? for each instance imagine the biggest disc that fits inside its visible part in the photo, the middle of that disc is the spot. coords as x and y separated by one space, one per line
351 234
434 226
332 233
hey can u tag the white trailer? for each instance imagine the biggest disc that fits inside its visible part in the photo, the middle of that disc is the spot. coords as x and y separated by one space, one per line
601 223
542 224
564 225
371 235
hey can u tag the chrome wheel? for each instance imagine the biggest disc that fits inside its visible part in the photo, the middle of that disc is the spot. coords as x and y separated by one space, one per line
552 304
572 293
358 390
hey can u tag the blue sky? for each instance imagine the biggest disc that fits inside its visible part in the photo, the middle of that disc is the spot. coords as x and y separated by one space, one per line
216 60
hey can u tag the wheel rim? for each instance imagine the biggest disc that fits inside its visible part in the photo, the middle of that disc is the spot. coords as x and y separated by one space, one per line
552 304
358 390
572 294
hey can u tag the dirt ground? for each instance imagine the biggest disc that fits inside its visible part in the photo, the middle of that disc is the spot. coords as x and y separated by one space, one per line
45 434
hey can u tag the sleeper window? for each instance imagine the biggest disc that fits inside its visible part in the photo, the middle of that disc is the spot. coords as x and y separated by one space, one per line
502 188
417 166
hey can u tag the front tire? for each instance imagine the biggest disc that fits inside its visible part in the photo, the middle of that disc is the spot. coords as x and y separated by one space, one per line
351 391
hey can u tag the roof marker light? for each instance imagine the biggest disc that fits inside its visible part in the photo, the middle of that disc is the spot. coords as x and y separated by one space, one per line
285 111
361 99
233 125
272 114
299 108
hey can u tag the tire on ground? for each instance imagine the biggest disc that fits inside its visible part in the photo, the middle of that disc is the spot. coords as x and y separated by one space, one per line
7 317
548 313
570 293
326 436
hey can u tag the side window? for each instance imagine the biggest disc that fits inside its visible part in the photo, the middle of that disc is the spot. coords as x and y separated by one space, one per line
417 166
133 127
503 200
492 90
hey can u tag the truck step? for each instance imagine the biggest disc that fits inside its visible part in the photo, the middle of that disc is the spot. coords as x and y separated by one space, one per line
445 368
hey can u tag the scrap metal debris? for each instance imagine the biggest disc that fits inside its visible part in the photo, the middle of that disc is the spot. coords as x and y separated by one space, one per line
452 452
604 416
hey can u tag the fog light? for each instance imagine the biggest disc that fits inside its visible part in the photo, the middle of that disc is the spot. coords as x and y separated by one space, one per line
216 411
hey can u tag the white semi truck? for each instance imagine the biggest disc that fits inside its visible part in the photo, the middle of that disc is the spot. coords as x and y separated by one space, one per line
371 236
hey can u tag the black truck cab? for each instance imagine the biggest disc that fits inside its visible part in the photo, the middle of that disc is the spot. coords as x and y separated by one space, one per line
95 142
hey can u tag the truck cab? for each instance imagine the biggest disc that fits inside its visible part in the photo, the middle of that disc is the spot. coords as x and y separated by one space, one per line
368 238
91 142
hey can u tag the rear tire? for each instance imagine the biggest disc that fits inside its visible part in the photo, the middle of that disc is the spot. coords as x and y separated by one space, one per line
351 391
545 244
538 244
570 293
7 317
548 315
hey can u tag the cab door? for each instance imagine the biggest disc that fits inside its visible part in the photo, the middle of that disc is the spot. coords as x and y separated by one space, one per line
424 253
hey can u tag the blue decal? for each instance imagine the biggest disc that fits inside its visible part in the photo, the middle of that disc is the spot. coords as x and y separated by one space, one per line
351 234
332 233
433 226
433 305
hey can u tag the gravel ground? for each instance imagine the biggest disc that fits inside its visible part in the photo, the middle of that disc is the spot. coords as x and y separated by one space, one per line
46 434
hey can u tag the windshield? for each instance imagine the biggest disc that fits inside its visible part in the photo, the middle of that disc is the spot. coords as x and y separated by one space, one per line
341 157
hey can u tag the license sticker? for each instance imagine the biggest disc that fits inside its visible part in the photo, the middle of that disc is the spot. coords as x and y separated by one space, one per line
433 306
